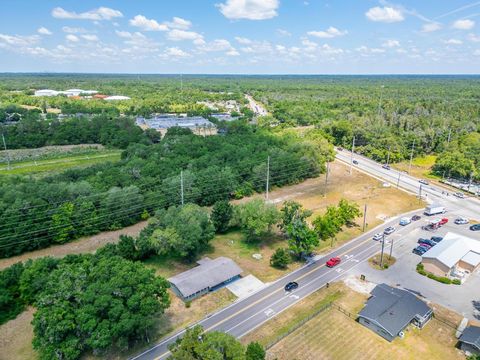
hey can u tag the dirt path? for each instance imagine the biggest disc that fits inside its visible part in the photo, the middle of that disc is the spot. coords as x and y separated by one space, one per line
80 246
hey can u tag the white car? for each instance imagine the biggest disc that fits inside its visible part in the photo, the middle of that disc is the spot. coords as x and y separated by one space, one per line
389 230
459 195
461 221
378 236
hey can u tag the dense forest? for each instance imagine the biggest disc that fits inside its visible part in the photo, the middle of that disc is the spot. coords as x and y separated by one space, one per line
182 167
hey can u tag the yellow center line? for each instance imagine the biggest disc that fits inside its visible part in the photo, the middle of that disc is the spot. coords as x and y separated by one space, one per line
270 294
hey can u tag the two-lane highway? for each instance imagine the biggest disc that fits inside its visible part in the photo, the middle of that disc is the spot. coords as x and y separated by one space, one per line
247 314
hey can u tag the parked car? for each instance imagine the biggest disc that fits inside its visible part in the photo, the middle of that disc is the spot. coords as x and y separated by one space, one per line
389 230
405 221
420 250
427 242
386 166
475 227
339 148
333 262
416 217
355 162
292 285
423 181
443 221
437 239
461 221
378 236
459 195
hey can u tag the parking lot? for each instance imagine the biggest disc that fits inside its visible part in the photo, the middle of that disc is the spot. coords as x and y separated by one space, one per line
461 298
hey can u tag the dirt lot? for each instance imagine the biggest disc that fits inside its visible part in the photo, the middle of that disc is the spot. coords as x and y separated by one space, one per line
16 338
334 335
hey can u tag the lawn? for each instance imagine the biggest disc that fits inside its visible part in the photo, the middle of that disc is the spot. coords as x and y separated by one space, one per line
333 335
421 167
59 164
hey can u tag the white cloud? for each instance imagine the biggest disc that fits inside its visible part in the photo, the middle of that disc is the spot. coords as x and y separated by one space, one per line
90 37
179 23
242 40
175 52
102 13
72 38
366 50
476 52
453 42
331 32
18 40
463 24
431 27
180 35
129 35
147 24
44 31
283 32
73 30
217 45
473 38
391 43
233 52
249 9
385 14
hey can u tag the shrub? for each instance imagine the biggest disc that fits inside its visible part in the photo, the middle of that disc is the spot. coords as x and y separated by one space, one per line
280 258
456 282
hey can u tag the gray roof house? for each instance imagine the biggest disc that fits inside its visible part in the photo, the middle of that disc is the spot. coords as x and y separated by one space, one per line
208 276
390 310
470 340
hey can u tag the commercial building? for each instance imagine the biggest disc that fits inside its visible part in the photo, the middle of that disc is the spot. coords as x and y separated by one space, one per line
116 98
469 341
455 256
197 124
208 276
390 310
69 92
46 92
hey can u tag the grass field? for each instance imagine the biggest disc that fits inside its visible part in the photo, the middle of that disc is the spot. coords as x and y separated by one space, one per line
334 335
59 164
421 167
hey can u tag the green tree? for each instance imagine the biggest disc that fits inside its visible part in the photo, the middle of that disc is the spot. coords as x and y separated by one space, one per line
62 223
126 248
280 258
93 303
255 351
292 210
221 215
35 276
301 239
199 345
348 211
256 218
11 303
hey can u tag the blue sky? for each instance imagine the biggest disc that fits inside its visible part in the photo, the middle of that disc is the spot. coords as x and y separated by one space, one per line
240 36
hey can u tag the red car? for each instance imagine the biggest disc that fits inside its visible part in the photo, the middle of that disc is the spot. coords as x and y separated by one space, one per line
333 261
443 221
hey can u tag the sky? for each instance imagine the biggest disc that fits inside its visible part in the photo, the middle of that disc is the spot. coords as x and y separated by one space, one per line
241 36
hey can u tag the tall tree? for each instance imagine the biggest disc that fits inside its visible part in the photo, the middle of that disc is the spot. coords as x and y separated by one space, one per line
256 218
221 215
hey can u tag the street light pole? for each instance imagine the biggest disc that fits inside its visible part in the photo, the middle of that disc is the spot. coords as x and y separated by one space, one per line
398 181
351 157
411 157
364 218
391 249
383 248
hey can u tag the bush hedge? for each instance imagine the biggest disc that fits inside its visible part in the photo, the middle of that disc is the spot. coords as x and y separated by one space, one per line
442 279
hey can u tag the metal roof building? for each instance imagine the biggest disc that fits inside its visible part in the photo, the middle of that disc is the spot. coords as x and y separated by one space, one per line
163 123
455 253
208 276
390 310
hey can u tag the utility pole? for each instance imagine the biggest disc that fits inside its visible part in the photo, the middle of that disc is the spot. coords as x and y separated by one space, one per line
411 157
383 248
391 249
5 147
181 186
398 181
351 157
388 156
420 192
364 218
268 177
326 179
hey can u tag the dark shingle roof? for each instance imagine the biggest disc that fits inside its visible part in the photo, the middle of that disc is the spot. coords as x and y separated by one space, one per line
393 309
471 335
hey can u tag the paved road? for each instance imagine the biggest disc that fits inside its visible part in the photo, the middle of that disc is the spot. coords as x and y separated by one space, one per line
468 207
247 314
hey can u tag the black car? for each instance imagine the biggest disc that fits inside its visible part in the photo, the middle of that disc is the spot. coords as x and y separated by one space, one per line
386 166
420 250
292 285
355 162
437 239
416 217
475 227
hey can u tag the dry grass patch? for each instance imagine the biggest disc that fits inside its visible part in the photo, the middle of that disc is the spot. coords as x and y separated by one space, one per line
333 335
16 338
375 261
